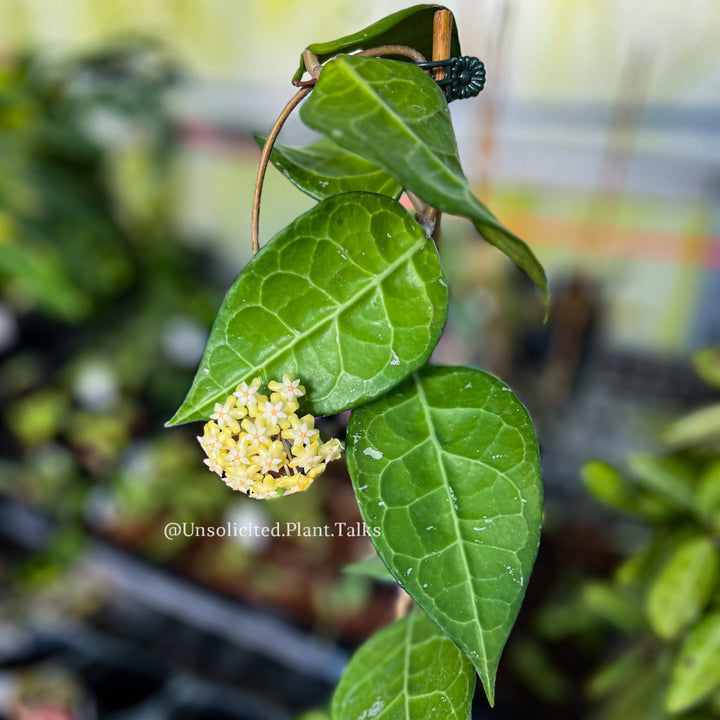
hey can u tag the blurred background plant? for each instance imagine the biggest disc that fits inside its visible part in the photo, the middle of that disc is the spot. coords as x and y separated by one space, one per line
655 622
105 312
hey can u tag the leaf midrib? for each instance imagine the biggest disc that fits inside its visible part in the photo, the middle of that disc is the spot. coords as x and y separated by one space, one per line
406 669
375 281
433 436
297 156
468 204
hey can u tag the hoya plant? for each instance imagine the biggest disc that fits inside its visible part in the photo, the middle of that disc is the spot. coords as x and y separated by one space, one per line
341 311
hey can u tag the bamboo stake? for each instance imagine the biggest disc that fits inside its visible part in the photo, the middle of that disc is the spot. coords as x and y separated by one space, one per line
442 43
442 39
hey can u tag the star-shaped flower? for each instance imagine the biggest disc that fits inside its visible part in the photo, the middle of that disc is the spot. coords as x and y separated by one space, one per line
289 389
330 450
306 457
228 414
257 433
247 394
274 414
302 431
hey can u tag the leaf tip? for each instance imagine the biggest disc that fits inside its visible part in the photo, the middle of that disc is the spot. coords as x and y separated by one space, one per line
488 684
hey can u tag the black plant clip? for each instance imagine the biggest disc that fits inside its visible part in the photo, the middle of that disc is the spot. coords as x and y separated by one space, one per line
464 76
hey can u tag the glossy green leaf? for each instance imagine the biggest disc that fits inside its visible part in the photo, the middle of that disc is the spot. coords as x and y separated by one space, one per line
667 477
697 670
698 428
324 168
683 587
707 365
410 669
447 466
372 567
396 116
350 298
412 26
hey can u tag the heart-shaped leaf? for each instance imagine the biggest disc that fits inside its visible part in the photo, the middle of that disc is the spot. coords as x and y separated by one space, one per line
324 168
447 467
697 669
396 116
350 298
410 669
412 27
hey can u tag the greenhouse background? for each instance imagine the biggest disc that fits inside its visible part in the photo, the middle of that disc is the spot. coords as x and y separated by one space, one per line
127 165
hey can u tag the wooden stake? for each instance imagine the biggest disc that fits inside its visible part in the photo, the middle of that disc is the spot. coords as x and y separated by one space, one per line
442 43
442 39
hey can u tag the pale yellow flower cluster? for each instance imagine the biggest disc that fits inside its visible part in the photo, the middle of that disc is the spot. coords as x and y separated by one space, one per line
259 445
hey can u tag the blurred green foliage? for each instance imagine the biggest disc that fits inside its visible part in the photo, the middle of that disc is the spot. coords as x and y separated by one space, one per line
106 308
659 613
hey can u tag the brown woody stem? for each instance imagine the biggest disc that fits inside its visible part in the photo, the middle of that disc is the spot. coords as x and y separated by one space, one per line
265 158
399 50
425 214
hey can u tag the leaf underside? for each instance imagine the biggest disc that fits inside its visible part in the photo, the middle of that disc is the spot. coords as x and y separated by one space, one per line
324 168
410 669
412 26
396 116
447 466
350 298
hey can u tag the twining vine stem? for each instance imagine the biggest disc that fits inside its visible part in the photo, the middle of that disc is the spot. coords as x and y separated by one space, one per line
426 215
314 67
265 158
